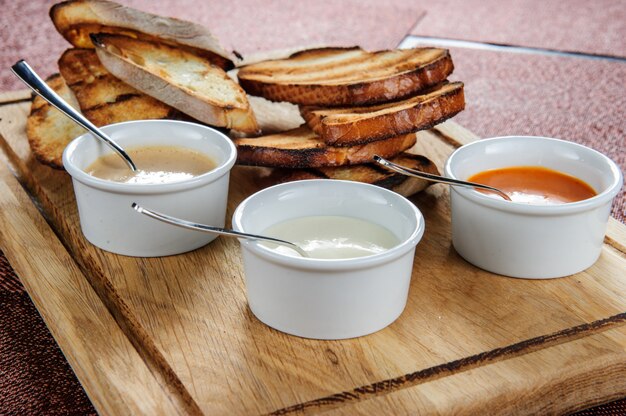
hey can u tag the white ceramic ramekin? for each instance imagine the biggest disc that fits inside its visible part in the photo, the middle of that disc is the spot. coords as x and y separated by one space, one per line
328 299
106 217
531 241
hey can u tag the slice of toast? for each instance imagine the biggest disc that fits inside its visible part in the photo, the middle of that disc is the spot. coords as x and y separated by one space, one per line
47 129
181 79
103 98
346 76
77 19
358 125
371 173
302 148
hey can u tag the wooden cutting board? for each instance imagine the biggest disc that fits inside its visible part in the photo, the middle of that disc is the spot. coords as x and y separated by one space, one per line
174 335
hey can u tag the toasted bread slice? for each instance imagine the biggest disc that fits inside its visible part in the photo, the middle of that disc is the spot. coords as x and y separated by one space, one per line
357 125
371 173
178 78
302 148
77 19
47 129
346 76
104 99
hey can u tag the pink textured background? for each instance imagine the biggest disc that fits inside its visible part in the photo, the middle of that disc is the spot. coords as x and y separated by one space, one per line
596 27
244 25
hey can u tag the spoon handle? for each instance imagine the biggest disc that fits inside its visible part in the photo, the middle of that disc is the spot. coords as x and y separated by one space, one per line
30 78
214 230
436 178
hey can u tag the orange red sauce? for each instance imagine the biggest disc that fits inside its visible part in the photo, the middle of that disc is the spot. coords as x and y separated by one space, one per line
535 185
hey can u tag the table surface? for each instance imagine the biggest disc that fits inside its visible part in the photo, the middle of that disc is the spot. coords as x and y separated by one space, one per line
560 71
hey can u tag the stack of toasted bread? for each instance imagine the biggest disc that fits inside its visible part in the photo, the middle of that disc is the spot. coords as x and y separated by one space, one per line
129 65
356 104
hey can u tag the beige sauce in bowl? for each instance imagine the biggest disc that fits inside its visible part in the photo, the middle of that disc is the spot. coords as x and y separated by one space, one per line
155 165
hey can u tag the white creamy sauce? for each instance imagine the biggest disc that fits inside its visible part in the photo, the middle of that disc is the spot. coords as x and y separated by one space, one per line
332 237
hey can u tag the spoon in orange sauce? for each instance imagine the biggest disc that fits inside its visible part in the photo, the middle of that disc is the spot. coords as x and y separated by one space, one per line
534 185
436 178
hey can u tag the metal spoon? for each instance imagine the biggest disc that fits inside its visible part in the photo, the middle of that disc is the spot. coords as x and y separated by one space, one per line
435 178
30 78
215 230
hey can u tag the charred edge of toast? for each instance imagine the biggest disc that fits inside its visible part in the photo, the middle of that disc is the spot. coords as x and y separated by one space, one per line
119 99
334 140
321 156
428 126
389 179
394 179
95 79
324 49
283 158
40 112
356 94
443 66
93 27
36 111
46 161
172 114
282 175
37 149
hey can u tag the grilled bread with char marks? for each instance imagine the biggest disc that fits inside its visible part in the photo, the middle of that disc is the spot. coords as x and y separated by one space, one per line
346 76
103 98
48 130
371 173
178 78
302 148
77 19
358 125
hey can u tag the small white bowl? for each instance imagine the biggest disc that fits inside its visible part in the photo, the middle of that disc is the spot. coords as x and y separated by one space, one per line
322 298
106 217
531 241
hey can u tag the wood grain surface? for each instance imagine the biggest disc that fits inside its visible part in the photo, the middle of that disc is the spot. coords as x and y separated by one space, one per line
468 341
98 351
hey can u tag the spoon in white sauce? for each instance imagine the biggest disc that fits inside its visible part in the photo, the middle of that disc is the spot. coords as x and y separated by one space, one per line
215 230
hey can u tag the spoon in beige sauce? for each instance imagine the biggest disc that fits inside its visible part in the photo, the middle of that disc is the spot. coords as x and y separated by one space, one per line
25 73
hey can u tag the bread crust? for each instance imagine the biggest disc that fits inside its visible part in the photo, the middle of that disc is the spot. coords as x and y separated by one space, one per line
104 99
358 125
77 19
302 148
349 93
47 129
129 60
371 173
